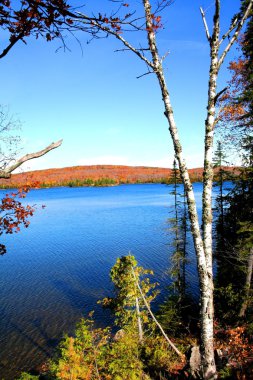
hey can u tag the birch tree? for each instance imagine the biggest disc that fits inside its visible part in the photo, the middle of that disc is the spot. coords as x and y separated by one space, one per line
149 22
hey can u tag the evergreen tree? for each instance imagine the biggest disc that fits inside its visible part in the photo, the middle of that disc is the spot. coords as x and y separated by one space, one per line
217 163
178 225
127 304
246 97
234 226
235 236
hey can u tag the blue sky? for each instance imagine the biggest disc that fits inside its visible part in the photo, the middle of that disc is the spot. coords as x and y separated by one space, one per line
93 100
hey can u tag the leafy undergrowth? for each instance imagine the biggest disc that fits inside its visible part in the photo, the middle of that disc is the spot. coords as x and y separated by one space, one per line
141 350
93 354
234 353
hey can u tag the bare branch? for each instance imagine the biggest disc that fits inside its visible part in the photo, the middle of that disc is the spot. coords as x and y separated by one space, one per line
205 24
143 75
121 50
219 94
119 37
10 46
236 33
229 31
7 172
165 56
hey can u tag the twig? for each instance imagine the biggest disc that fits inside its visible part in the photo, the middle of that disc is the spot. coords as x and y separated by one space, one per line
219 94
164 56
142 75
120 50
119 37
229 31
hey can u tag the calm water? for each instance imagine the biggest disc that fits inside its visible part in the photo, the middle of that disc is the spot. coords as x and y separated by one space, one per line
56 270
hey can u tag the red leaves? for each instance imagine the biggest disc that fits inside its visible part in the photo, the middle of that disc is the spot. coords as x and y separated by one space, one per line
113 22
35 17
14 214
231 110
69 21
156 23
235 346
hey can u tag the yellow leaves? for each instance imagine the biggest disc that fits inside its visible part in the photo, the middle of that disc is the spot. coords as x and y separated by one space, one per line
73 366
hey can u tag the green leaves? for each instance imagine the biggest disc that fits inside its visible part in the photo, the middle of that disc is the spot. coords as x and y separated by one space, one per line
124 275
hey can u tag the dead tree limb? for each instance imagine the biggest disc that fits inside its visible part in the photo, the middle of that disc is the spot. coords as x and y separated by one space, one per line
205 24
6 173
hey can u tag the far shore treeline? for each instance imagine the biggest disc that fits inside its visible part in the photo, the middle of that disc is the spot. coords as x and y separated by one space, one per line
101 175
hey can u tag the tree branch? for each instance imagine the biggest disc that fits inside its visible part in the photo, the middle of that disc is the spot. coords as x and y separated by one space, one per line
219 94
143 75
229 31
236 33
6 173
165 56
205 24
10 46
119 37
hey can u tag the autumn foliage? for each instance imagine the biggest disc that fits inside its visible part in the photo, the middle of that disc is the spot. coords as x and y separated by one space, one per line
235 351
13 214
98 175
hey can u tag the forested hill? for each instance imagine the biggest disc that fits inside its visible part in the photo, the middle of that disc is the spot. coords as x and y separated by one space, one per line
97 175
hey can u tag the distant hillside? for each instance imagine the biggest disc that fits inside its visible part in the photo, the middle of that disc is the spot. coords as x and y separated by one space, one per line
96 175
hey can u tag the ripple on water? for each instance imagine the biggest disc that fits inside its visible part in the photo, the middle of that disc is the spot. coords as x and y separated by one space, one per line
57 269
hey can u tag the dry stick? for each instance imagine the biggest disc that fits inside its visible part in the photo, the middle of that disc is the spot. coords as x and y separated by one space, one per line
6 173
155 320
205 24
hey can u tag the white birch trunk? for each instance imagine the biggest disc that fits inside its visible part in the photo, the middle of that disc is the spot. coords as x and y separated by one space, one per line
205 274
203 247
207 308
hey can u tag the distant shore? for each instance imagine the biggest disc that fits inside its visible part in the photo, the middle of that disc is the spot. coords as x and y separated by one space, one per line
100 176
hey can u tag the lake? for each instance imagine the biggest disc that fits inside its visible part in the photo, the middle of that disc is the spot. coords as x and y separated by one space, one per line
55 271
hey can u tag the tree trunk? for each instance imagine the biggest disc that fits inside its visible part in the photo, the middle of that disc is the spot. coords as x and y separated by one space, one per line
203 247
247 284
207 308
204 261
